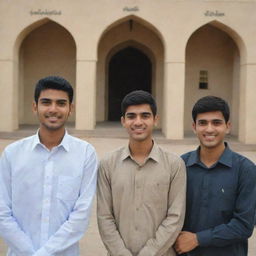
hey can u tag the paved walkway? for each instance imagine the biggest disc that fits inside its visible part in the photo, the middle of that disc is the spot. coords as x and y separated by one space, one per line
103 141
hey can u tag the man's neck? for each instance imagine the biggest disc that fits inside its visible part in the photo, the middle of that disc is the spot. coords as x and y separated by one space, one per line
210 156
51 138
141 149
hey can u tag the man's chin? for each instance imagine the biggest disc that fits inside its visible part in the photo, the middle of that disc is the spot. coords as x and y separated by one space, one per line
53 127
139 137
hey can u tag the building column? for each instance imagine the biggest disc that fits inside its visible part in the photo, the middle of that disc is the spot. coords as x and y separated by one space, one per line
247 106
86 95
173 107
8 97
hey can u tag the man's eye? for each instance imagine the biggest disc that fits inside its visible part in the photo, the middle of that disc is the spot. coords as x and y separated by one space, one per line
62 104
130 116
217 122
45 102
201 123
145 116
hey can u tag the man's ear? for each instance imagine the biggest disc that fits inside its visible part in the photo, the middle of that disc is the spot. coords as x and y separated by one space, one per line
72 108
34 107
156 120
228 127
194 127
122 121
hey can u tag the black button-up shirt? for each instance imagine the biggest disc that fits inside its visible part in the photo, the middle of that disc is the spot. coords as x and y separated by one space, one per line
221 203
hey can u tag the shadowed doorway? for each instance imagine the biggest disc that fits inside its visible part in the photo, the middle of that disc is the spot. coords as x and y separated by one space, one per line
129 69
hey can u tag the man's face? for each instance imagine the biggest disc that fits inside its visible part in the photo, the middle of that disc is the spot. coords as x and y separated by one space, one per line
53 109
211 128
139 122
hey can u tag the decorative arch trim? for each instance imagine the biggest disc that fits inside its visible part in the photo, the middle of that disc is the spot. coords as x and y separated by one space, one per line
27 30
229 31
135 18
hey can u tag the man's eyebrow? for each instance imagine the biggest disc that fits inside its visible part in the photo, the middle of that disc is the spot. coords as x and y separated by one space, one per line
142 113
212 120
62 100
45 99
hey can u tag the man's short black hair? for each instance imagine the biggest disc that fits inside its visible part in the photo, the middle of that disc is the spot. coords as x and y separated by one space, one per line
138 97
55 83
211 104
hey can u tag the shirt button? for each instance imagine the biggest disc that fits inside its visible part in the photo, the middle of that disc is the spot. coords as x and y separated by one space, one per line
137 209
136 228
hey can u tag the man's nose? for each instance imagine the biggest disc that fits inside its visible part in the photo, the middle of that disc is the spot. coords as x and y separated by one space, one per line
138 120
53 107
209 127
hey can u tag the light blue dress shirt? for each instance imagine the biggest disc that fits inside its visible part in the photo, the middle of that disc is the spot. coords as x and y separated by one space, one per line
46 196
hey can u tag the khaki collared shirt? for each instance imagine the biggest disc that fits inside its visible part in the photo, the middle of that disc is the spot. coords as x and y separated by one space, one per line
141 208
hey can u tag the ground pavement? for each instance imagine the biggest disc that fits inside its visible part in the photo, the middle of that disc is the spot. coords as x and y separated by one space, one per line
91 244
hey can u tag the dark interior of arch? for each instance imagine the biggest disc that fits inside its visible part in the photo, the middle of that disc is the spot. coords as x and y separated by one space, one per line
129 69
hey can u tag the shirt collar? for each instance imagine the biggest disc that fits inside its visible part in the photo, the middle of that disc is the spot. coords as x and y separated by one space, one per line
225 158
64 143
154 153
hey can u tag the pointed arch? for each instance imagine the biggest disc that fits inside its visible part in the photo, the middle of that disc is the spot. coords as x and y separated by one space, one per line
130 31
137 19
214 53
229 31
43 48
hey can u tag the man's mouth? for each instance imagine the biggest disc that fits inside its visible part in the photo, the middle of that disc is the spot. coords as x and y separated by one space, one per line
138 130
210 137
52 118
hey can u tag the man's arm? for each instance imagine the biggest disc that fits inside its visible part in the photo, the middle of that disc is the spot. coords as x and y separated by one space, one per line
186 242
10 230
106 221
170 227
239 228
73 229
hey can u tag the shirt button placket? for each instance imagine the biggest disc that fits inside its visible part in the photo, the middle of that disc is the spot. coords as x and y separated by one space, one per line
205 196
46 202
138 195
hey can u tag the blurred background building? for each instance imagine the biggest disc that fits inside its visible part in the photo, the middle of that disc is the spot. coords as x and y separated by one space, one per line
179 50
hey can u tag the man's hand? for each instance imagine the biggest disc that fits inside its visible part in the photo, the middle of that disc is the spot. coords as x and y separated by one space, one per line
185 242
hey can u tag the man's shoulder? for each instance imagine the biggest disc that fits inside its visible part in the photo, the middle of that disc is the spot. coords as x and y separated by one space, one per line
241 160
114 155
77 140
77 143
170 156
20 144
186 155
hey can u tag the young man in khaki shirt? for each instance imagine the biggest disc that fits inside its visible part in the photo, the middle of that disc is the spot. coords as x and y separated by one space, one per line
141 188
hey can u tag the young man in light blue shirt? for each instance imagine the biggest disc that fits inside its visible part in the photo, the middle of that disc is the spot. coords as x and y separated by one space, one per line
47 181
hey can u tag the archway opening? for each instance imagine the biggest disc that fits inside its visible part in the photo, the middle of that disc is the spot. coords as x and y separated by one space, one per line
129 69
49 49
212 68
131 37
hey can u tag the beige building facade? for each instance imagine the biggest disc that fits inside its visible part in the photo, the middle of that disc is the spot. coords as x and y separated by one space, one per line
179 50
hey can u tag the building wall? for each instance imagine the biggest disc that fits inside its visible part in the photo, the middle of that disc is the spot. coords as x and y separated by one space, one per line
117 38
42 55
92 30
212 50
